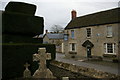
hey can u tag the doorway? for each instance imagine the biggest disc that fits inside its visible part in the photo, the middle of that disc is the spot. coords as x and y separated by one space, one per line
88 45
88 52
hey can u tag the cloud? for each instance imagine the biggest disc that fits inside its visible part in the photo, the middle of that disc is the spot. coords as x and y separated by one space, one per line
59 11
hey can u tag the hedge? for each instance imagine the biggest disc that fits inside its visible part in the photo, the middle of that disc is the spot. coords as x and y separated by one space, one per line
15 55
14 38
22 24
20 7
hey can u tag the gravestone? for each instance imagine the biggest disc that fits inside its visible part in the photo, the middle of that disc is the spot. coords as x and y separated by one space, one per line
27 73
42 71
19 26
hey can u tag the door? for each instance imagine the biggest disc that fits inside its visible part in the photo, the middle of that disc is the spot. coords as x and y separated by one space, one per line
88 52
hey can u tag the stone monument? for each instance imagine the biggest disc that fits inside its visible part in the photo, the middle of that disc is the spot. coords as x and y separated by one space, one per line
42 71
27 72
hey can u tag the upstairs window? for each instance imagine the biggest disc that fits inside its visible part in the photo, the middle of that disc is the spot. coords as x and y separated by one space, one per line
109 31
65 37
88 32
72 34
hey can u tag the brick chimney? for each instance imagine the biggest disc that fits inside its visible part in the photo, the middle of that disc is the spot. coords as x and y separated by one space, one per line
73 14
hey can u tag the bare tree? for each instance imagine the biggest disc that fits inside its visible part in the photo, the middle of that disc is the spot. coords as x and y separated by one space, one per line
57 28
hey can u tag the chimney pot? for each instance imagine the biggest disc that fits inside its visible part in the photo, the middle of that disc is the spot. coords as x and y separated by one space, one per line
73 14
46 31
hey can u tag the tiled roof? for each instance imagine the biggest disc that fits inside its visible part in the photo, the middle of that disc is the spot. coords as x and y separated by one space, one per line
99 18
55 36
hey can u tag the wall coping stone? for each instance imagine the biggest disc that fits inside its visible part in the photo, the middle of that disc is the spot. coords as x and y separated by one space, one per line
90 72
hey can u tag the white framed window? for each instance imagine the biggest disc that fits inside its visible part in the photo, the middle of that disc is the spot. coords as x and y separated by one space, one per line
88 30
109 31
109 48
72 46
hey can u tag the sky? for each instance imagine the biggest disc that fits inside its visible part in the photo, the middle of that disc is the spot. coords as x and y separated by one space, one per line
58 12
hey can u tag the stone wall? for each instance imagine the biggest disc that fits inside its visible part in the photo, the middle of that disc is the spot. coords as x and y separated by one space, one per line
98 38
90 72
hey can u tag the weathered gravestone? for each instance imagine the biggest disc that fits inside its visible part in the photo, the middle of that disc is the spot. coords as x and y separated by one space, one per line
19 26
27 72
42 71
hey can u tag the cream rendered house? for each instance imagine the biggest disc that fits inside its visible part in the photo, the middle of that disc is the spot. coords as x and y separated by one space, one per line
93 35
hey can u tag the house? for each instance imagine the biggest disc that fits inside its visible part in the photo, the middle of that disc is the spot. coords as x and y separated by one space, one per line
92 35
54 38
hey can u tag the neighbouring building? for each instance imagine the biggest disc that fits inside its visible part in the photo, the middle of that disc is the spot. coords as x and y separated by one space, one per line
92 35
54 38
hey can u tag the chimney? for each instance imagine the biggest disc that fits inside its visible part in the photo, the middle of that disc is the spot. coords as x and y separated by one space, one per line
73 14
46 31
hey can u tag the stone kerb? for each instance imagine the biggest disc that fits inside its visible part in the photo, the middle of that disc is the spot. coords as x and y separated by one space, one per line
90 72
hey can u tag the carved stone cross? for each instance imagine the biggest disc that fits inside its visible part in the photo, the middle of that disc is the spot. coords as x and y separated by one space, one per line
27 72
42 56
42 71
27 65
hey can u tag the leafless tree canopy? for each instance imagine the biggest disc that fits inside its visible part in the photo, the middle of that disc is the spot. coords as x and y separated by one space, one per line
57 28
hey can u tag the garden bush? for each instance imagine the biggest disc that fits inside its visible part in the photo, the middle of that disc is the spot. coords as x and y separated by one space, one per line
115 60
21 8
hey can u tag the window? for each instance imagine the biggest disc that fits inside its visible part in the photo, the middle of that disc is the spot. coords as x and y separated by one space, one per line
72 34
109 48
65 37
109 31
72 47
88 32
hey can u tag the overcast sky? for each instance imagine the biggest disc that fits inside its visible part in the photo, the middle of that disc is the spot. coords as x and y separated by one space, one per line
58 12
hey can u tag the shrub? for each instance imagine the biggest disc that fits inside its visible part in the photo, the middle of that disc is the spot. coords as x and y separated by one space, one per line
13 38
115 60
22 24
20 7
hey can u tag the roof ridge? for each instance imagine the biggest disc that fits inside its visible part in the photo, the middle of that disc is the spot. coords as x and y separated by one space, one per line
99 12
99 18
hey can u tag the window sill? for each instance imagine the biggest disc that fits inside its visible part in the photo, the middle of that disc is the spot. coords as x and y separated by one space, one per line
65 40
72 38
88 37
72 52
109 36
111 53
